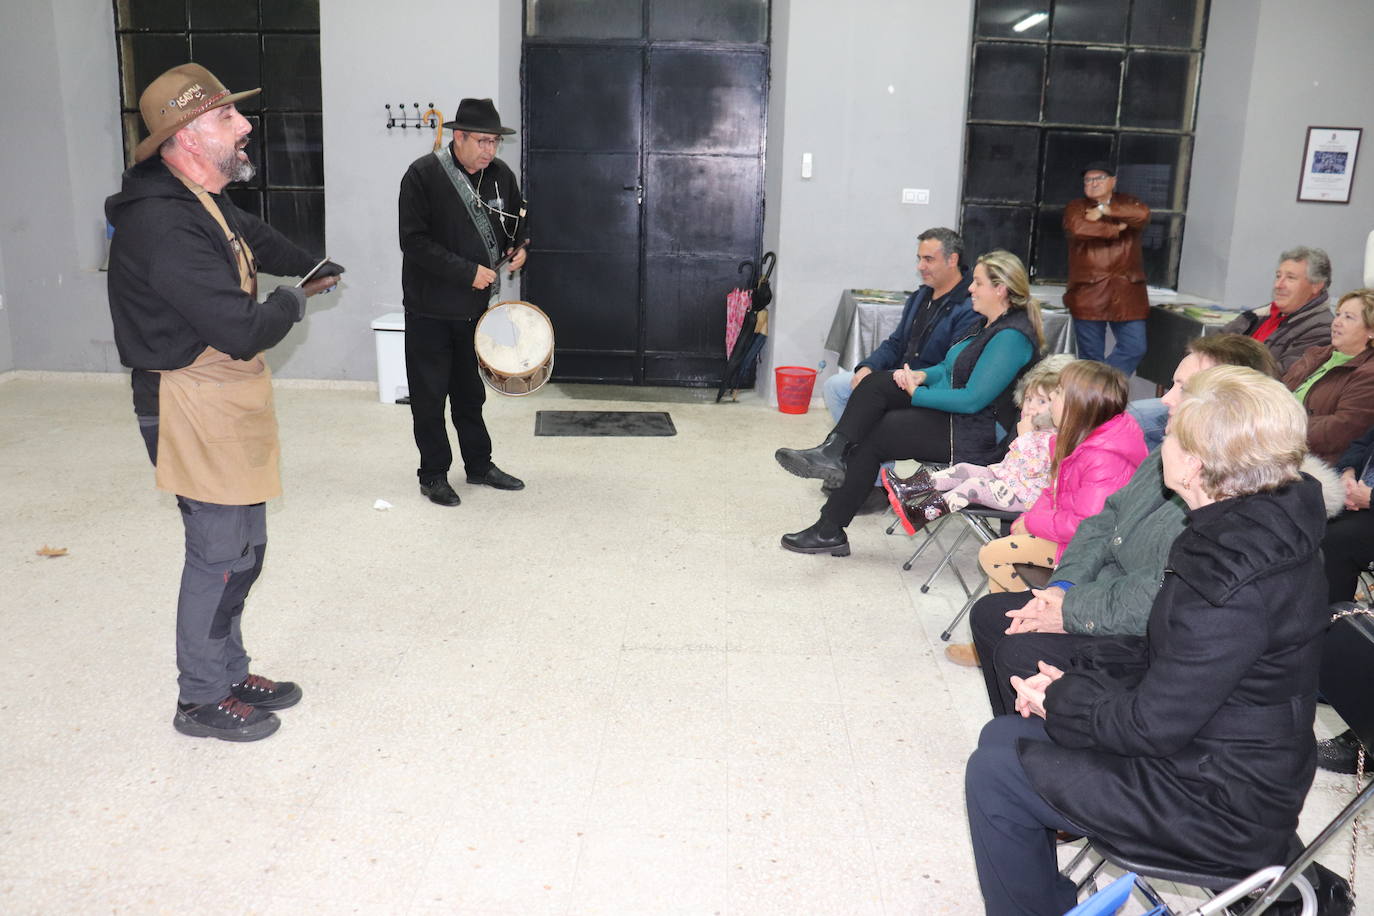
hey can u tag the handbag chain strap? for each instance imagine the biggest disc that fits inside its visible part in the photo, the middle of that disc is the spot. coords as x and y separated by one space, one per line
1358 823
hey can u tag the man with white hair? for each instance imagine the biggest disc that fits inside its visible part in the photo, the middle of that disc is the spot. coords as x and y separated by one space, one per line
1299 317
187 321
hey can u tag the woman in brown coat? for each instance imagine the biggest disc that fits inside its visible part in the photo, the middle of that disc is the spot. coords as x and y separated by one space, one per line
1336 383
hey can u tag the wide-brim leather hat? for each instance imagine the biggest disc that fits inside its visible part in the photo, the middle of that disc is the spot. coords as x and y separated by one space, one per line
477 116
175 99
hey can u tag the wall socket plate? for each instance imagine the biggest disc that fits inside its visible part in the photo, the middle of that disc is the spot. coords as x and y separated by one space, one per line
915 195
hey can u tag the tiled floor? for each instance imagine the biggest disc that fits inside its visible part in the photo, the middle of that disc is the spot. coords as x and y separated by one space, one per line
611 693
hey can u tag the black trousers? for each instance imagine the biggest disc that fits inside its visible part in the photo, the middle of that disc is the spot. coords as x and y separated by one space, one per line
1346 549
883 426
441 363
1013 827
1020 654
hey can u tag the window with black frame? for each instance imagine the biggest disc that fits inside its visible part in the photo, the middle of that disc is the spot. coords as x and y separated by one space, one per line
1056 84
274 44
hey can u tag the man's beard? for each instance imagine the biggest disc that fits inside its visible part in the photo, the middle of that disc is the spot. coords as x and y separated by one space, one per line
228 163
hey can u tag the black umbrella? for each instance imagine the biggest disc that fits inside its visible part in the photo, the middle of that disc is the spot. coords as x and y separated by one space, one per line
753 333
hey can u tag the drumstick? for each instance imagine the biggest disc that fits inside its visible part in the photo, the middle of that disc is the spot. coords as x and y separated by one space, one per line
505 259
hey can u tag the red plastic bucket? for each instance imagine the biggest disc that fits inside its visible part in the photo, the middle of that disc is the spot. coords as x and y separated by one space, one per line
794 388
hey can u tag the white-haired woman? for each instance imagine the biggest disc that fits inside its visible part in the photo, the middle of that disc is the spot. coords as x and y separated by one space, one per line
1198 751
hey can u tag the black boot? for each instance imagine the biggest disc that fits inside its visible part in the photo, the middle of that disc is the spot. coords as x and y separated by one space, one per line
819 538
824 462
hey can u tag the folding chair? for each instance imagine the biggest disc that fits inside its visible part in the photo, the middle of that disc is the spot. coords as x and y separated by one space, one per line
1347 683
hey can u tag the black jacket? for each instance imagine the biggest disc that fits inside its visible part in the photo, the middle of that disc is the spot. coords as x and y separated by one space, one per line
173 282
1200 752
924 335
441 248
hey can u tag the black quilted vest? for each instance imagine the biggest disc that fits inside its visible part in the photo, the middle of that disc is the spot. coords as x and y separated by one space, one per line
973 437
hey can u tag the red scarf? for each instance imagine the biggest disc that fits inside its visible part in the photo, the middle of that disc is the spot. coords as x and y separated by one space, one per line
1269 325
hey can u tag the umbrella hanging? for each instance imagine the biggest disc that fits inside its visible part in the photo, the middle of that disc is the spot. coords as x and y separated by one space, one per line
737 304
753 332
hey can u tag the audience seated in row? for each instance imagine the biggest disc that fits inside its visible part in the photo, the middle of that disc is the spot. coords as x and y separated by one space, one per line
1192 749
957 410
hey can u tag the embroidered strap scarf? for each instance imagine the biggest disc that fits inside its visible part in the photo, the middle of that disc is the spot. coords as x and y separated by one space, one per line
475 210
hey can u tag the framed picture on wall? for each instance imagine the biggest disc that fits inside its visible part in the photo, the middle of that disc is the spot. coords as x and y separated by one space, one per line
1328 164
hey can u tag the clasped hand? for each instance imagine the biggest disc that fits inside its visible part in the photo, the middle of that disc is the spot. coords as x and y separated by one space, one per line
1044 613
1030 691
1356 493
908 379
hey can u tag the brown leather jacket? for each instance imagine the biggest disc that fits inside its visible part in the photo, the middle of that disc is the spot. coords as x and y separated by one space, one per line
1340 407
1106 268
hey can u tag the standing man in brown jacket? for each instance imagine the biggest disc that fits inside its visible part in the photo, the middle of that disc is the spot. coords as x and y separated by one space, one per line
1106 270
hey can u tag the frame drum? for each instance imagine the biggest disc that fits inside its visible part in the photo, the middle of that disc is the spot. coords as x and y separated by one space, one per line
514 345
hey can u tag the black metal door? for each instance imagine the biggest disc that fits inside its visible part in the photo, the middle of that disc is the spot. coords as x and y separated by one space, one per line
644 173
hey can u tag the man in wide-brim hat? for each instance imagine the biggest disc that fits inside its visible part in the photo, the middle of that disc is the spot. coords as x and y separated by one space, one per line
460 213
187 321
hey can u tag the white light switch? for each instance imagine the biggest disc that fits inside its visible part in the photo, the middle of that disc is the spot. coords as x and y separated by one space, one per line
806 165
908 195
922 195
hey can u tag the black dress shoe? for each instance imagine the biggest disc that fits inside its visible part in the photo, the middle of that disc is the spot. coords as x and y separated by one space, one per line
1340 754
440 492
498 479
824 462
812 541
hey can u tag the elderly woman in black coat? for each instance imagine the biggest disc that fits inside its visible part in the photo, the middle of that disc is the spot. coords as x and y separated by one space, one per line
1197 752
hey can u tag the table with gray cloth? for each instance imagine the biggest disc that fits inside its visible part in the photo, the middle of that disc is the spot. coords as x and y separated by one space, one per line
867 317
1168 331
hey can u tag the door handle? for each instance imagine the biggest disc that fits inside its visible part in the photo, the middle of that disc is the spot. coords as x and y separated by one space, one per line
639 192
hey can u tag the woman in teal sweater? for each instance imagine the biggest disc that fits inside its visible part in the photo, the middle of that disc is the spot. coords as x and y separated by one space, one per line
957 410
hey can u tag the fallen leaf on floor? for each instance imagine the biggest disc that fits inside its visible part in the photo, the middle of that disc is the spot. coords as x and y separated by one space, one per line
46 551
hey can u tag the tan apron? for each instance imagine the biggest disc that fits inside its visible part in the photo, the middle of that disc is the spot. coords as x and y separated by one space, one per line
217 428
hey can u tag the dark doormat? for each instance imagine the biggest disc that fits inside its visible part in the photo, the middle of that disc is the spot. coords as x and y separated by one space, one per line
603 423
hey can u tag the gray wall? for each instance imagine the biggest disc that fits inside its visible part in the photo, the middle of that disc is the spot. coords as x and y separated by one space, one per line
60 155
879 109
1270 73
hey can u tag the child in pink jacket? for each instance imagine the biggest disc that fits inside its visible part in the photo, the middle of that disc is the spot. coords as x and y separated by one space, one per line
1096 450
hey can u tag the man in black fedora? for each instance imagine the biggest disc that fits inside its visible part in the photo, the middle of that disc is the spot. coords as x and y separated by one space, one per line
461 211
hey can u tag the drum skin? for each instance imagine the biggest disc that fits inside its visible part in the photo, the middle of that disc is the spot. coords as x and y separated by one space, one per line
514 346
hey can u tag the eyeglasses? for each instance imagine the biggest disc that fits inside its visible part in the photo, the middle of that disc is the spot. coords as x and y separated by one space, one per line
1097 179
492 143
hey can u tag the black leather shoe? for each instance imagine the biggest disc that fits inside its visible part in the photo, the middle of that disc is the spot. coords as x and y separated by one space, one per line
812 541
498 479
230 719
1340 754
440 492
824 462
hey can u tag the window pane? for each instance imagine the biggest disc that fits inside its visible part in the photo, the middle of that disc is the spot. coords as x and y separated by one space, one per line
1051 249
1160 86
291 72
1102 21
1006 81
151 14
1153 168
987 228
1172 23
134 132
145 58
295 150
300 15
1160 244
255 151
224 14
1083 86
583 19
1066 153
709 20
998 19
298 215
1003 163
234 59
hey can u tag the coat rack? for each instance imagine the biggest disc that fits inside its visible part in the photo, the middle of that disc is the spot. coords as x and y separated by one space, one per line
402 117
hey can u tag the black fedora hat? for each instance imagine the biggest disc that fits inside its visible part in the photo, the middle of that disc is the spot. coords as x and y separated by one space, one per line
478 116
1099 166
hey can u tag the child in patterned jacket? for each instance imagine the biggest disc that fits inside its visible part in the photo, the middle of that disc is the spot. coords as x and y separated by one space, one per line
1015 482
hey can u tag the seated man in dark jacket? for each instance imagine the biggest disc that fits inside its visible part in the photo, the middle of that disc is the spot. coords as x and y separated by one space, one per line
937 315
1299 316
